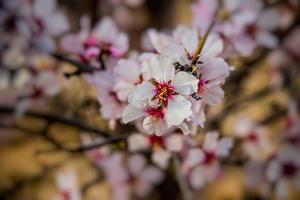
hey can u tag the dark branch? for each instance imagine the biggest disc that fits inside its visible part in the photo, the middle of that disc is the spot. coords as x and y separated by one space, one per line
55 118
81 67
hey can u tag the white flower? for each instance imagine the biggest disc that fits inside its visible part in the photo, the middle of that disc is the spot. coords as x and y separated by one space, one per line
166 92
161 146
129 73
284 169
181 46
211 75
144 177
201 165
256 143
68 186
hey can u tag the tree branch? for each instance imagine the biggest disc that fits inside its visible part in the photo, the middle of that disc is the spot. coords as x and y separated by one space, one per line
58 119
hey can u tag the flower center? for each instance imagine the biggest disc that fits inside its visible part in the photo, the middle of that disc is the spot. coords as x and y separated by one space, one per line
163 92
201 85
155 112
65 195
209 157
156 140
289 169
252 137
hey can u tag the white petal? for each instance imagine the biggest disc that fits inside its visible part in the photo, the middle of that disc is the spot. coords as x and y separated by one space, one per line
267 39
185 83
131 113
212 47
174 143
155 126
213 95
179 108
123 89
215 71
151 175
161 69
161 158
106 30
138 142
136 163
142 93
211 141
159 40
188 37
44 7
194 157
197 178
57 24
224 147
128 69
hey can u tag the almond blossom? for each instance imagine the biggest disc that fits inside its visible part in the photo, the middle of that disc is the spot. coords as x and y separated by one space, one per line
67 185
212 75
133 177
45 85
243 24
129 73
160 101
182 44
201 165
41 22
161 147
284 169
103 42
256 143
112 106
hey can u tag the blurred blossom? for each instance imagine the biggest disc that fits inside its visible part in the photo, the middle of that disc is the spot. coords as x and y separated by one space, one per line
67 185
255 141
202 164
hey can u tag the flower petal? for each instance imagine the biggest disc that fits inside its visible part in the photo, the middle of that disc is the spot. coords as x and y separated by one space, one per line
131 113
161 69
178 110
185 83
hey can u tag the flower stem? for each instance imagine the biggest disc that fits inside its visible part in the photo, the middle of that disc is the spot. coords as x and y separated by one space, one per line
204 38
183 186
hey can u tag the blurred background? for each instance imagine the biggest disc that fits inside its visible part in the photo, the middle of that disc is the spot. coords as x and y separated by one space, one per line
264 87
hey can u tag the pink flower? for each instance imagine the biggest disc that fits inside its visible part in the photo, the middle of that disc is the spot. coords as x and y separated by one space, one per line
284 169
104 40
161 99
97 155
45 84
243 24
293 43
161 147
256 143
41 21
181 46
134 177
68 186
129 73
201 165
111 106
211 75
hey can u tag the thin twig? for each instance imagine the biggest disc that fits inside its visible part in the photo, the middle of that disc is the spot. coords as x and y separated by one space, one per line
58 119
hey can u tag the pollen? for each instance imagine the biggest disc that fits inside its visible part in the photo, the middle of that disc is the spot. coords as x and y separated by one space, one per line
164 92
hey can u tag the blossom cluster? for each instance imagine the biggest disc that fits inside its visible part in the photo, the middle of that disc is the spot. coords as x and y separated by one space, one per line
156 98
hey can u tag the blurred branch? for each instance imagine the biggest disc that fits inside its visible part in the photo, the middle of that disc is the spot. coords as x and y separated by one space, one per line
83 148
57 119
183 185
216 122
81 67
58 146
